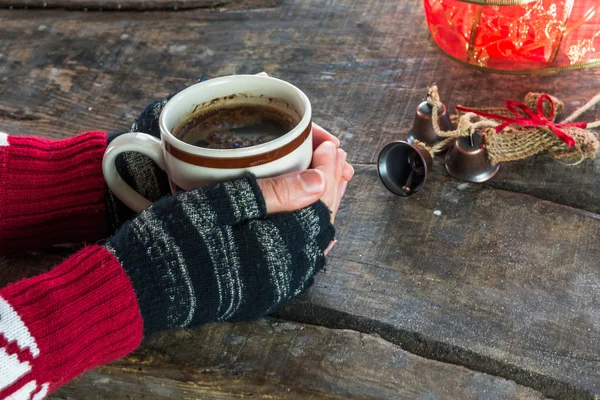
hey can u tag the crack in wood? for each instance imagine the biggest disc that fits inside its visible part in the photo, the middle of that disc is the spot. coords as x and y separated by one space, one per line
420 345
365 84
283 360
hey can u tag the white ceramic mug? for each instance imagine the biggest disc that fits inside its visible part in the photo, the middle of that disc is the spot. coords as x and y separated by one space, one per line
190 167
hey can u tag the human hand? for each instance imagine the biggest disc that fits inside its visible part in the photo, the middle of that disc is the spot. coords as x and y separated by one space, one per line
326 180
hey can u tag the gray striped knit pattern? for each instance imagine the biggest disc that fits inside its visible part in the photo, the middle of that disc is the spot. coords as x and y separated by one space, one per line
214 255
138 170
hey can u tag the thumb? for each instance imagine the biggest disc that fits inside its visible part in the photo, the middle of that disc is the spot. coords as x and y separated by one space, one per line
292 191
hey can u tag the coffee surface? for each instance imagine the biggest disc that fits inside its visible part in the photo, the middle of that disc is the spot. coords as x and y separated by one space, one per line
235 126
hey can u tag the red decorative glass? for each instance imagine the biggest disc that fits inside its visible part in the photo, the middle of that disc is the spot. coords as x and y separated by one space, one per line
518 35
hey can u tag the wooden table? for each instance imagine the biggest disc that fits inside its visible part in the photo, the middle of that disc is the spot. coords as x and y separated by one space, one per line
496 298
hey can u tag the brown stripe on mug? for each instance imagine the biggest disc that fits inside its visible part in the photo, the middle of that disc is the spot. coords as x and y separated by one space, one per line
240 162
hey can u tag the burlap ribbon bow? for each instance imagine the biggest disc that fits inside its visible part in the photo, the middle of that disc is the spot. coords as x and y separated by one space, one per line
516 132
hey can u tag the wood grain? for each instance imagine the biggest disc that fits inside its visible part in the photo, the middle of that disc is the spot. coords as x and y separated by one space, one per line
505 281
271 359
16 267
499 282
364 69
137 5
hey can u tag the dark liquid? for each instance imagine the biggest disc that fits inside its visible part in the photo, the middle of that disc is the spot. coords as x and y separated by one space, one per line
235 126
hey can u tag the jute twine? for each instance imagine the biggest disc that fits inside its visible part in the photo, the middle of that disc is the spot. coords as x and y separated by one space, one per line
516 142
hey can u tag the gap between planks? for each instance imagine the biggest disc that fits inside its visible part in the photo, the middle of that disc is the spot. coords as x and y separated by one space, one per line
419 345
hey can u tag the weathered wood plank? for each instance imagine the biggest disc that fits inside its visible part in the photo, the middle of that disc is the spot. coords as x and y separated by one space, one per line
270 359
544 178
138 5
499 282
364 68
16 267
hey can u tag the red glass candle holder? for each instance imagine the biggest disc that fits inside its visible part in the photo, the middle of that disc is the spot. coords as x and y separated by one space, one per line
524 36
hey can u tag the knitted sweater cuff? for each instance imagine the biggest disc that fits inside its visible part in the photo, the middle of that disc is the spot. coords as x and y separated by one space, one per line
51 191
55 326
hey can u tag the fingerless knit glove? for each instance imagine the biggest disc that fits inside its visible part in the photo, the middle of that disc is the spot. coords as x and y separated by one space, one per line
207 255
201 256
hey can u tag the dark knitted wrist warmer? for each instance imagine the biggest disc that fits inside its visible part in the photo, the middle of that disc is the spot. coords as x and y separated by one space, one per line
144 176
138 170
213 255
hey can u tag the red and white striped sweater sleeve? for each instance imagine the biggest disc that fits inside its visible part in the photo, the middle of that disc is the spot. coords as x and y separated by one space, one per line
55 326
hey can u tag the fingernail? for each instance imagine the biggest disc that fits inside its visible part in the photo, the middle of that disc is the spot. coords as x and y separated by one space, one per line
312 181
332 148
343 189
336 141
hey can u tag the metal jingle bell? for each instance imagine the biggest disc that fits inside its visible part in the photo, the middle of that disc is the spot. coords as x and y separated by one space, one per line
403 167
422 128
467 160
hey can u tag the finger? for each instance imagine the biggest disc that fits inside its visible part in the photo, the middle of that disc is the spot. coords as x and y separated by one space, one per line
324 159
320 135
348 172
344 187
328 249
262 74
339 167
292 191
342 190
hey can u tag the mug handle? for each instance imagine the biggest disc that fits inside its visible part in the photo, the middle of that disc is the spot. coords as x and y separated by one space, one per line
130 142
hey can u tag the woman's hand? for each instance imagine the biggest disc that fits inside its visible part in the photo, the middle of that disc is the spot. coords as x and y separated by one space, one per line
326 180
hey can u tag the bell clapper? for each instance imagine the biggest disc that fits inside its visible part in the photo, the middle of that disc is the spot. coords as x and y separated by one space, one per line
406 186
415 167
